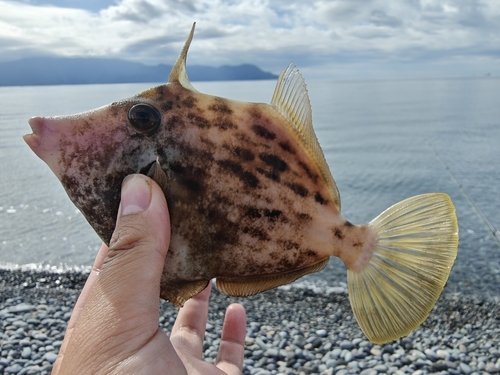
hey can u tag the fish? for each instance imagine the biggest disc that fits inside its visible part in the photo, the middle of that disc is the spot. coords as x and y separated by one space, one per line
252 201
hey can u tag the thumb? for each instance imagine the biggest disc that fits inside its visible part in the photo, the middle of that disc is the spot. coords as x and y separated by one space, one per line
139 244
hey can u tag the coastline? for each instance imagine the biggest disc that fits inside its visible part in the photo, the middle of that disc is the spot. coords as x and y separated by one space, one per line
294 331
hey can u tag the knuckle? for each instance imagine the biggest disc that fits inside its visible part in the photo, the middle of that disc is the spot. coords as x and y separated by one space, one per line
129 234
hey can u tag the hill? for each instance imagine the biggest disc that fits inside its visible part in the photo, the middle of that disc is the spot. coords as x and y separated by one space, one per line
67 71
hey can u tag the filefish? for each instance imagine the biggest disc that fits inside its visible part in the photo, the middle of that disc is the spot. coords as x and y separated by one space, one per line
251 198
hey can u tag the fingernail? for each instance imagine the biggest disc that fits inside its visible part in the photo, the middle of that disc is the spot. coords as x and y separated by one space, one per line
136 195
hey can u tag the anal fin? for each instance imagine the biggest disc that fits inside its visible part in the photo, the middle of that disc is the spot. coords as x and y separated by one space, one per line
250 285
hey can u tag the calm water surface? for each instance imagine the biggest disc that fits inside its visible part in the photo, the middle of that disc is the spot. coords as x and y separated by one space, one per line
384 141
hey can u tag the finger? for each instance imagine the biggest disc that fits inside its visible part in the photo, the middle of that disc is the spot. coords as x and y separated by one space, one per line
132 270
89 284
232 343
188 331
80 303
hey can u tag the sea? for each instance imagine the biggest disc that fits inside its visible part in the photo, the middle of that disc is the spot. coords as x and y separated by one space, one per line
384 140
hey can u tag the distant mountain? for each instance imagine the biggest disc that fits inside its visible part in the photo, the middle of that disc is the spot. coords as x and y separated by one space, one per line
68 71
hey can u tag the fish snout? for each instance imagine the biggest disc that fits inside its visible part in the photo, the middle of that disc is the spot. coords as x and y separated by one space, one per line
45 141
42 125
33 139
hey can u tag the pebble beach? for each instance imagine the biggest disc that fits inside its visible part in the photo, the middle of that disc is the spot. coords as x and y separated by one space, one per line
292 331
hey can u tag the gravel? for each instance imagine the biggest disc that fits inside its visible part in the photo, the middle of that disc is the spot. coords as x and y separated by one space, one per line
293 331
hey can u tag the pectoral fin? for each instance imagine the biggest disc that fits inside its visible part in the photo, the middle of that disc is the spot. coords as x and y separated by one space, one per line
250 285
156 173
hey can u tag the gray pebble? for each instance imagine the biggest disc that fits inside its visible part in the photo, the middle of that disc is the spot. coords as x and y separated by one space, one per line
331 363
26 353
14 369
19 323
30 370
322 333
271 352
335 353
431 354
418 354
347 345
465 368
25 342
357 341
257 354
40 336
443 354
380 368
48 322
261 344
51 357
360 354
491 368
57 343
315 342
21 308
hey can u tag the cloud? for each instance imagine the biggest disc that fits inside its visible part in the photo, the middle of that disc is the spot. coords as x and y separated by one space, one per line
136 11
380 19
318 35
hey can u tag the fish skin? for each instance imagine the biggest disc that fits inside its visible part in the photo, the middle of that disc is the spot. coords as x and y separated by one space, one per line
244 197
251 200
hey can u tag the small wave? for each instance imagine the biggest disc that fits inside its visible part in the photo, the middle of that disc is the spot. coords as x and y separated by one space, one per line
318 286
38 267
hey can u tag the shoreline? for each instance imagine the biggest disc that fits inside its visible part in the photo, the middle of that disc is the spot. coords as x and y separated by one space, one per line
289 331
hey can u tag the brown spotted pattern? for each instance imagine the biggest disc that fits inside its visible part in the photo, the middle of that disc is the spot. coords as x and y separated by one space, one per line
244 196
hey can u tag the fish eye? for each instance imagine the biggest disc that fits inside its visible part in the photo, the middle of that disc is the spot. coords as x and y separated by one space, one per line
144 118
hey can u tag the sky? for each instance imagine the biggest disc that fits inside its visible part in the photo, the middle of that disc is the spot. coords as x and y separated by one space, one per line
336 39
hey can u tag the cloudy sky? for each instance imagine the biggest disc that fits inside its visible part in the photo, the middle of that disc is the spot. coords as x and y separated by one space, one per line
339 39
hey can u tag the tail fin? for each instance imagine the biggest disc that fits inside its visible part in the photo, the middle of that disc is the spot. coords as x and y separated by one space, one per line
417 245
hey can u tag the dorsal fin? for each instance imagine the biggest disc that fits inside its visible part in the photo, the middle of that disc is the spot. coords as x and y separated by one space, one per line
179 73
292 101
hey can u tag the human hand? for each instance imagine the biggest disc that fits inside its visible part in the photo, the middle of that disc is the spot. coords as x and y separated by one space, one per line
114 325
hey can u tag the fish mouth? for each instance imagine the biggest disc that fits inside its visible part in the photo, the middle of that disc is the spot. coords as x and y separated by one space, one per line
44 131
45 141
33 139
